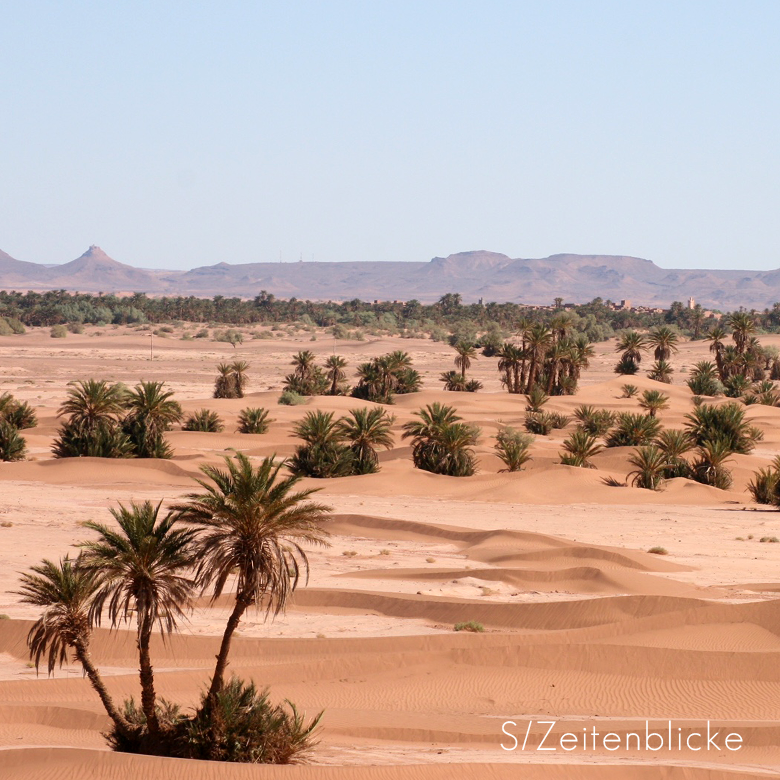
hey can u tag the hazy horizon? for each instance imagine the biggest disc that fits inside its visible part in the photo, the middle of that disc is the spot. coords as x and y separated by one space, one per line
176 136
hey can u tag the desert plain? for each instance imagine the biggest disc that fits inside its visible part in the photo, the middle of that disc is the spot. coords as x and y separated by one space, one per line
582 625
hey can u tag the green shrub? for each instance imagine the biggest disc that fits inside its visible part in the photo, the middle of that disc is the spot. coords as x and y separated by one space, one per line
58 332
658 551
471 625
18 413
291 398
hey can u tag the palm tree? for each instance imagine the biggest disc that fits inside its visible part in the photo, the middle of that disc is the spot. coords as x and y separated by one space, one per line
716 337
661 371
335 365
142 567
580 447
674 444
709 467
441 443
538 340
152 411
94 408
323 454
251 525
239 369
512 447
725 423
466 352
653 401
12 445
253 420
65 592
223 384
649 467
510 361
743 327
367 429
633 430
91 403
631 344
664 341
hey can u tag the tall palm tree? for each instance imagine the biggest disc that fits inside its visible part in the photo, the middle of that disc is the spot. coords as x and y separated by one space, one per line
335 365
538 340
366 430
239 369
251 525
716 338
65 592
223 384
510 361
143 574
466 352
743 327
152 411
664 341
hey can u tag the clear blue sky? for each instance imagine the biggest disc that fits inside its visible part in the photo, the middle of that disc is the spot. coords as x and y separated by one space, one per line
183 133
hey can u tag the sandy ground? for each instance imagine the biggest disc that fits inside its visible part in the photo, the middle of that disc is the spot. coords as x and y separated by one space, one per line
582 625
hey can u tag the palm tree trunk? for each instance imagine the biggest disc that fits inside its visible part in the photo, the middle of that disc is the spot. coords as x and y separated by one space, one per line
148 695
85 659
218 679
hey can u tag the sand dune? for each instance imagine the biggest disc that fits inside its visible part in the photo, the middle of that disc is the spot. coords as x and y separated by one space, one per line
582 625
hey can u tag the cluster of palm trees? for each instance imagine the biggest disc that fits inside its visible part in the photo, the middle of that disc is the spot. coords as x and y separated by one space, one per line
663 341
341 447
108 420
246 528
15 415
231 379
550 356
744 368
441 442
378 380
711 433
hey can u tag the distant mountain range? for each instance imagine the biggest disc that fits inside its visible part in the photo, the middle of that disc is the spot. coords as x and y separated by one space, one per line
486 275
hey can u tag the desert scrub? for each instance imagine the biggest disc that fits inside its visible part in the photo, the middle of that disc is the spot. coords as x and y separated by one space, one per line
658 551
471 625
770 539
291 398
205 421
58 332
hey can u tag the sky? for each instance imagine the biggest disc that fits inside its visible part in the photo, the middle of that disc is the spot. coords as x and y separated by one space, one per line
183 133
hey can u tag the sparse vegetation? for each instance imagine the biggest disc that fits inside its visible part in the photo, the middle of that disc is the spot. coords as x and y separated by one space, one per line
658 551
471 626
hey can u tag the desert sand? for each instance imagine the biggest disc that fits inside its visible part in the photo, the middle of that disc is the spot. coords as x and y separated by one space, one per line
582 625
